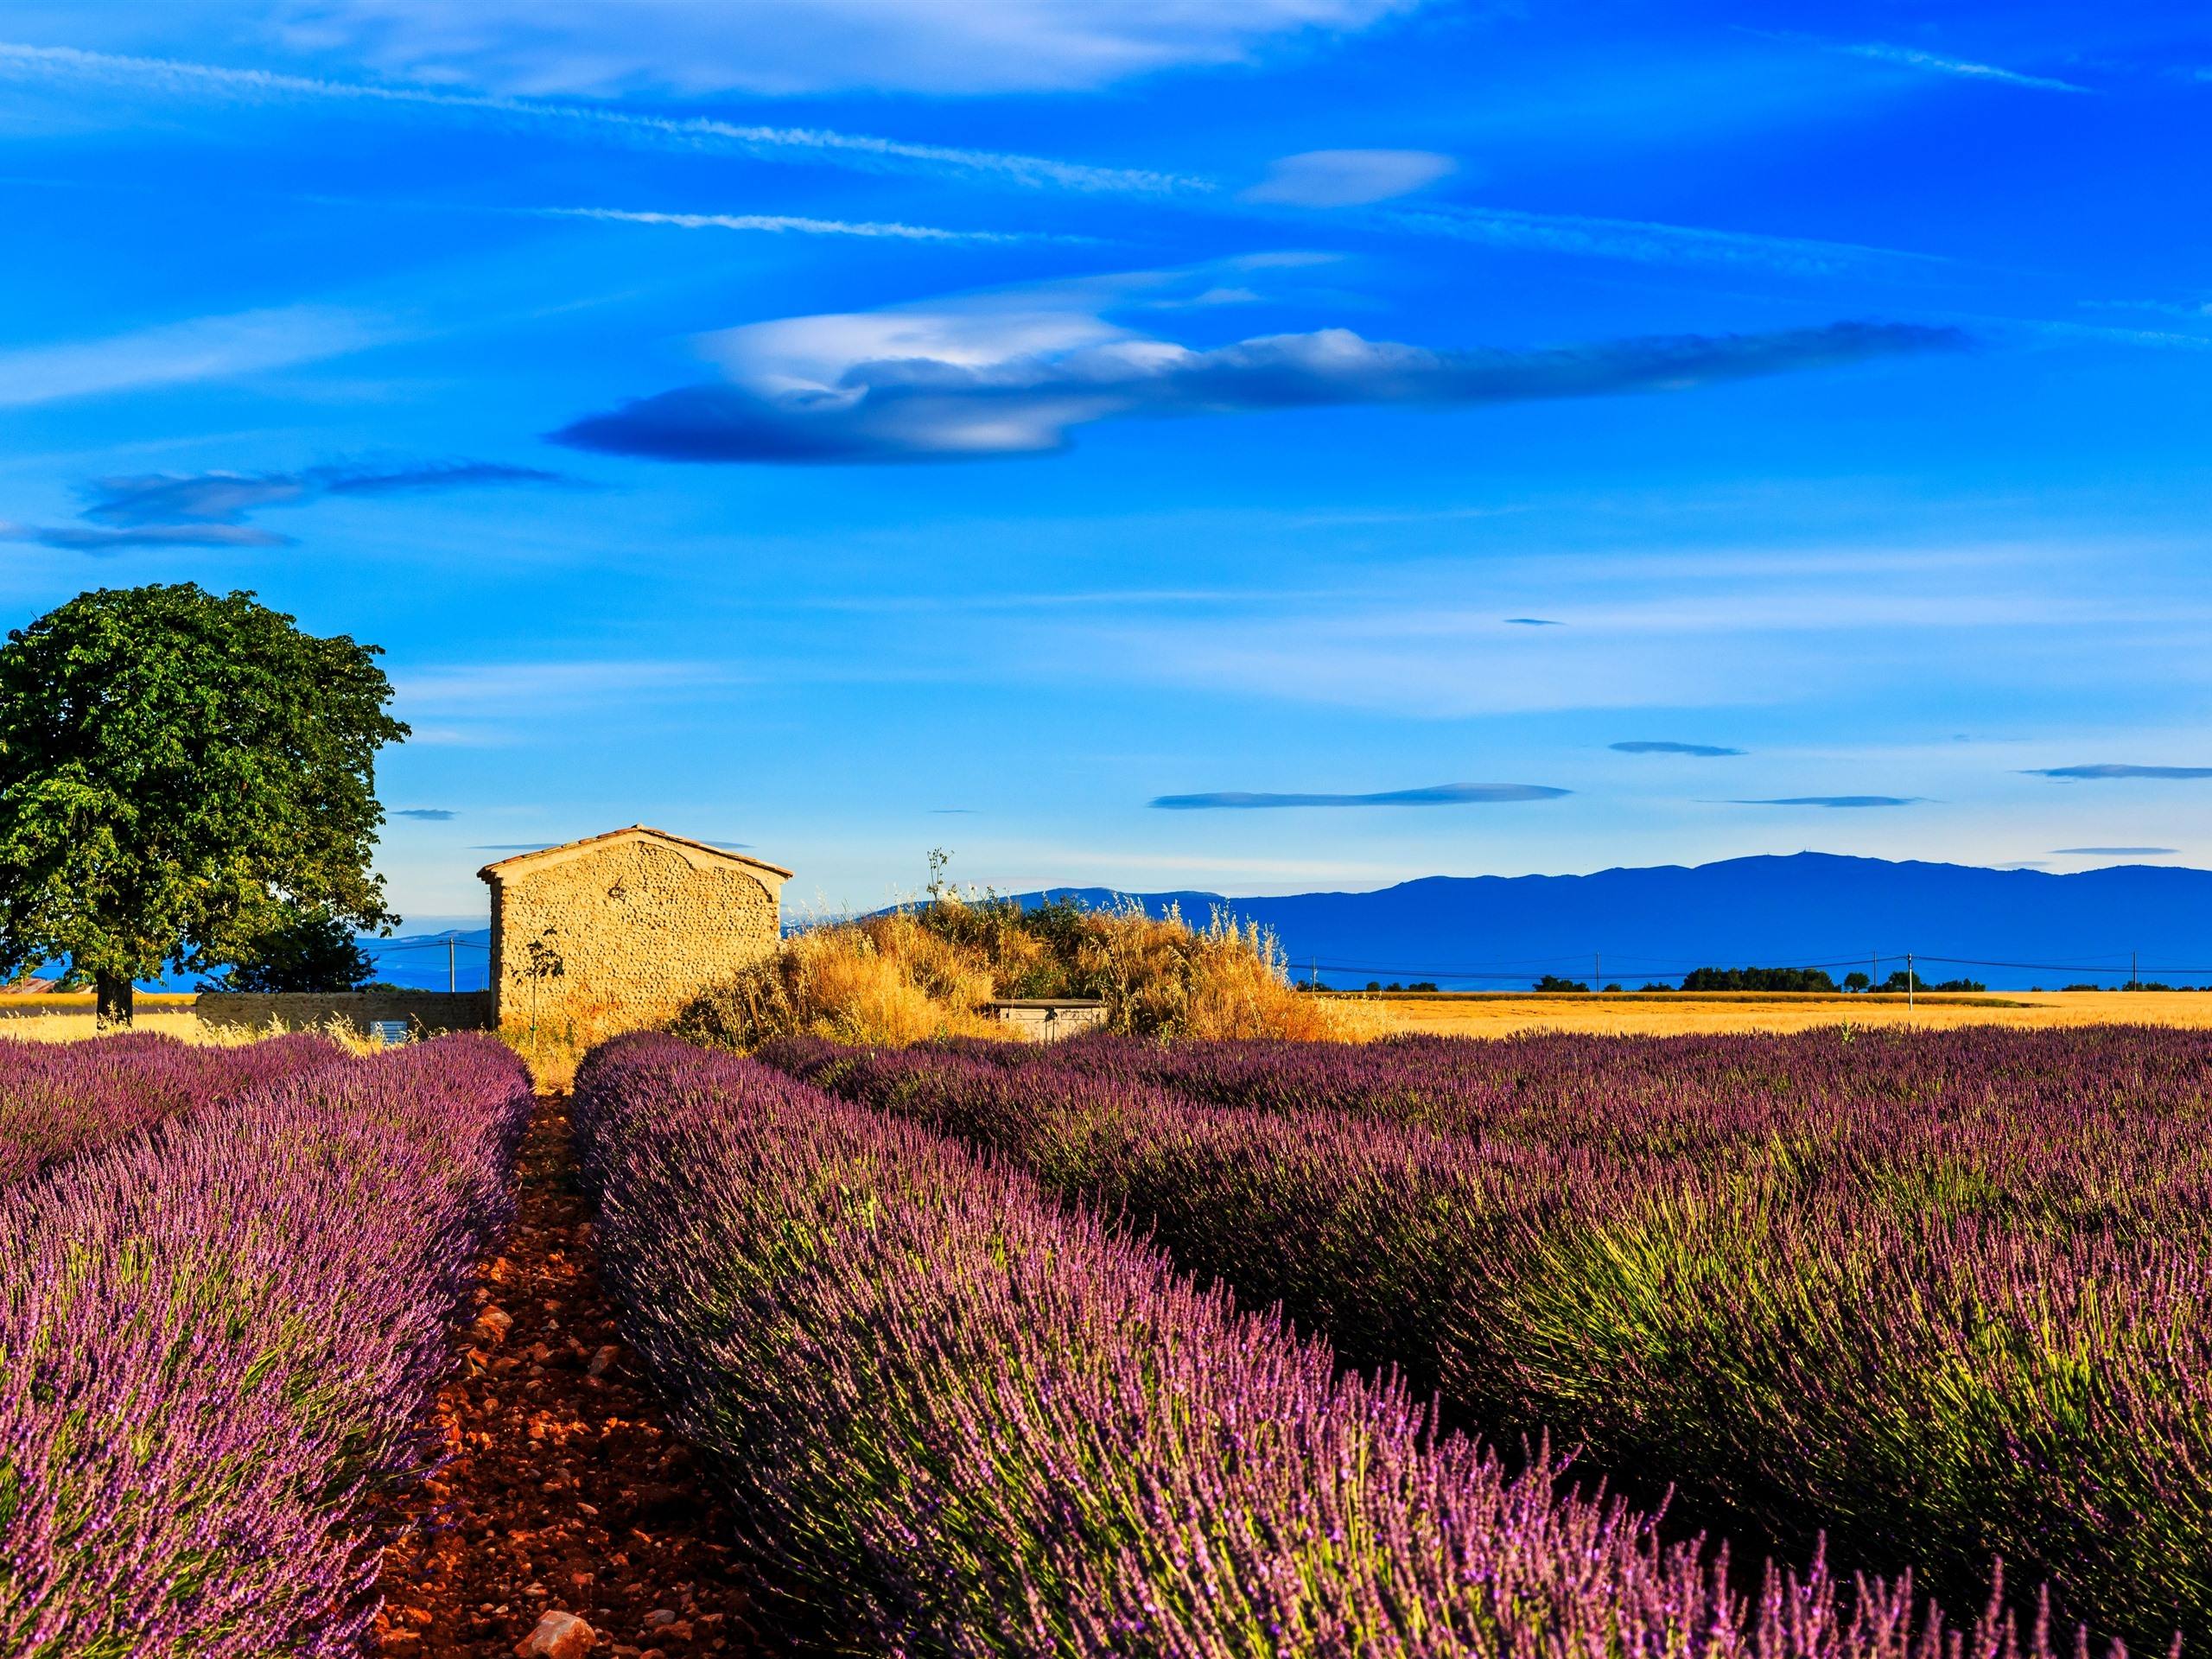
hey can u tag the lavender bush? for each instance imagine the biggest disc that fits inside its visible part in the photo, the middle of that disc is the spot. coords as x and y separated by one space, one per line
216 1342
1940 1297
959 1419
59 1099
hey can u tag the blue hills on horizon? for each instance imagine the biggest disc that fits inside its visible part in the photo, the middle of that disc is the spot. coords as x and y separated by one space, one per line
2011 929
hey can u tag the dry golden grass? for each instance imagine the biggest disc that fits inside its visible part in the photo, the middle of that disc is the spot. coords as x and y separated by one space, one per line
169 1020
1165 977
14 1004
1493 1014
553 1048
912 975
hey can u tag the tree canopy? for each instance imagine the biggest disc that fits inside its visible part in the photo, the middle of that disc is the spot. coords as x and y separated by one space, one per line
181 776
310 950
1757 979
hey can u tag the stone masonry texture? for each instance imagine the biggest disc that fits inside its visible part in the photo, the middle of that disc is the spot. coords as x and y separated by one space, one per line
637 921
429 1011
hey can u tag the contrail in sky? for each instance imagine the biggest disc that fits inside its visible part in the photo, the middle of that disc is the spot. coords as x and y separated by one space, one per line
844 149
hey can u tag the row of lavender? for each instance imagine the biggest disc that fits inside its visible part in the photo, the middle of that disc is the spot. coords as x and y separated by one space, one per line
959 1417
217 1337
1943 1298
58 1100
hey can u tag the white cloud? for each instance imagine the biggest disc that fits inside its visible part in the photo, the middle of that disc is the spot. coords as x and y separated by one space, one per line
1786 627
1348 178
1913 57
1015 373
174 78
203 348
696 47
788 224
1649 242
553 687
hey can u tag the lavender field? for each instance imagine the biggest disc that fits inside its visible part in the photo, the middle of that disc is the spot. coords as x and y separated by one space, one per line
1835 1346
216 1332
960 1417
58 1100
1940 1300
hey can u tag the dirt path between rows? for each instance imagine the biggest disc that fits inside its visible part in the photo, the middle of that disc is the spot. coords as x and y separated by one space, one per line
566 1492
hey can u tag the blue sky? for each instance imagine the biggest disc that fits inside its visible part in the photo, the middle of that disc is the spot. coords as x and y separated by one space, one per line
1258 445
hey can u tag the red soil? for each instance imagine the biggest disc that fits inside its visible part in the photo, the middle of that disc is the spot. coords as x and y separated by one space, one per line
565 1492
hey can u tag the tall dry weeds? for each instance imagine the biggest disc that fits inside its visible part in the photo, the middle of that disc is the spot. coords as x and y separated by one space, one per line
912 975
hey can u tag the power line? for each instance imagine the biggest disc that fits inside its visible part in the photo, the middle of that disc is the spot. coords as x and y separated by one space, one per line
378 947
2113 971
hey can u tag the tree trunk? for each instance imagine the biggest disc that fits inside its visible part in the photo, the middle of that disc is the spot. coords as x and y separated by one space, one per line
113 998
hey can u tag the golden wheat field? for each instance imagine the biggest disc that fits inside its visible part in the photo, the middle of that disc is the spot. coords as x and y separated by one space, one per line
1482 1014
69 1019
1677 1014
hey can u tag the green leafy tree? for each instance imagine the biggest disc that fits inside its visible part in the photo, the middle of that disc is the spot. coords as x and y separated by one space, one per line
310 950
182 775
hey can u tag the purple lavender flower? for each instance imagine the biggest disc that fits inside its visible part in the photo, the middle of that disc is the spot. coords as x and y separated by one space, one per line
217 1342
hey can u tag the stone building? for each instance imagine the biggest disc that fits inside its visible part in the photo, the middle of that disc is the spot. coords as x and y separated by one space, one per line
616 931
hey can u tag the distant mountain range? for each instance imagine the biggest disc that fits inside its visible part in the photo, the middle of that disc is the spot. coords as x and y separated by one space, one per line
418 960
2009 929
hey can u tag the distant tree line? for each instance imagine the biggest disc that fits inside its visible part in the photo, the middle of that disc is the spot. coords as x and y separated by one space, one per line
1777 979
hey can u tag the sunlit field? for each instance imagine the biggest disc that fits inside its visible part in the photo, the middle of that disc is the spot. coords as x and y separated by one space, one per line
55 1019
69 1020
1677 1012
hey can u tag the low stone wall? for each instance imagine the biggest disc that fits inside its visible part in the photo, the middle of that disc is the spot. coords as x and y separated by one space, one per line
1049 1020
420 1010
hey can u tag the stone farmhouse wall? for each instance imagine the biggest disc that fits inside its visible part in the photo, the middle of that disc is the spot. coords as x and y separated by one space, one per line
639 921
419 1011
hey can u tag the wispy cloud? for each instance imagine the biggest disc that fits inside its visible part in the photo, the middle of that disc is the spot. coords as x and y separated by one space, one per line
935 47
177 353
1536 622
793 225
2107 770
555 686
224 497
2059 328
1845 801
175 78
1647 242
2195 310
1016 373
98 538
1435 795
426 814
208 508
1655 745
1348 178
1913 57
2117 852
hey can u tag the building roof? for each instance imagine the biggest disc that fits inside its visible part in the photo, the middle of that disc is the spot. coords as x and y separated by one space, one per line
507 868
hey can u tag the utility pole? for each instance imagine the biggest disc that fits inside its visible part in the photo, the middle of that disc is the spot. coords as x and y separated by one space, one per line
1596 970
453 980
2135 974
1908 982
